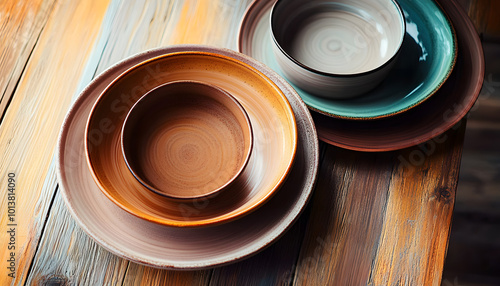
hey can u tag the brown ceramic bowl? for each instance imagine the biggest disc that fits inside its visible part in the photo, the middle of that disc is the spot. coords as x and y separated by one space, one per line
162 246
186 140
274 132
336 49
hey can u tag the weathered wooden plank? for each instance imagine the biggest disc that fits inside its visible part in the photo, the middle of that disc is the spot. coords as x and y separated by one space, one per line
273 266
143 275
417 220
61 257
20 26
338 236
31 124
346 218
196 22
207 22
382 219
484 15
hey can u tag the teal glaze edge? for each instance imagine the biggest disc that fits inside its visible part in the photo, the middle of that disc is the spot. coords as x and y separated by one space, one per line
450 65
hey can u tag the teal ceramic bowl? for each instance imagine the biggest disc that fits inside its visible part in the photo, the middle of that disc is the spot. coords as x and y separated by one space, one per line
426 60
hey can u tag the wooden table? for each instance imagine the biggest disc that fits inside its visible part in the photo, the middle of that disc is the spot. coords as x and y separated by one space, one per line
373 218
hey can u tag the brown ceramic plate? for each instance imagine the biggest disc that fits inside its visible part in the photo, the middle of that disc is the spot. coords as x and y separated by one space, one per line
271 116
419 124
180 248
431 118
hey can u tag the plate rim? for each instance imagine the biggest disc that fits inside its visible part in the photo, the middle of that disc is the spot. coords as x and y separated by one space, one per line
279 227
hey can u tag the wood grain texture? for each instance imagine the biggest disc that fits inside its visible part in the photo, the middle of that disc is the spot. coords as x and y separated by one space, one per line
382 219
484 14
143 275
129 27
346 218
20 26
371 221
31 124
62 259
417 220
473 256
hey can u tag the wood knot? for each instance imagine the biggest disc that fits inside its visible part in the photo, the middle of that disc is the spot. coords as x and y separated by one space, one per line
53 280
444 195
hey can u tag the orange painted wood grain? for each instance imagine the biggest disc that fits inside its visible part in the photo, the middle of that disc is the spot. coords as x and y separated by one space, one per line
20 25
31 124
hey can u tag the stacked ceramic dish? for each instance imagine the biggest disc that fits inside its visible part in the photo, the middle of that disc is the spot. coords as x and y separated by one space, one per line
377 75
187 157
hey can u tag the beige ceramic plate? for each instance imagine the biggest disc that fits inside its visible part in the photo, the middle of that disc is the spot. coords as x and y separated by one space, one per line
271 117
180 248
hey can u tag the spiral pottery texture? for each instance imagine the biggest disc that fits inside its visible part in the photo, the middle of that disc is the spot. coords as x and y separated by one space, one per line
272 120
159 245
336 49
186 139
425 61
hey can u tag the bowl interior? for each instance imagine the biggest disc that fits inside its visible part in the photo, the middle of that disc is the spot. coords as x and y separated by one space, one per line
273 127
426 59
162 246
186 140
338 37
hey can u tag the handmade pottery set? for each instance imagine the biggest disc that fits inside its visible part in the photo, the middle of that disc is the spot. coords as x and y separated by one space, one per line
190 156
